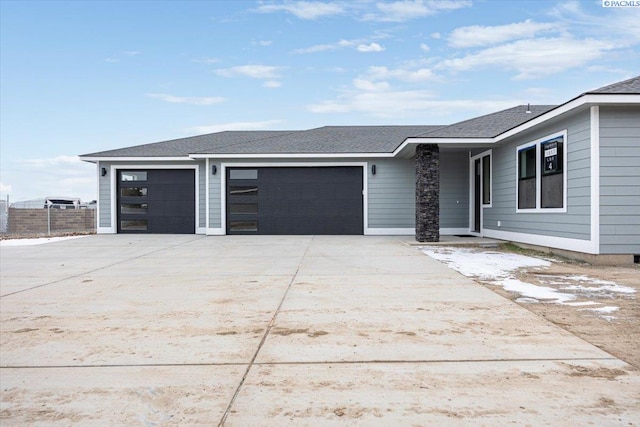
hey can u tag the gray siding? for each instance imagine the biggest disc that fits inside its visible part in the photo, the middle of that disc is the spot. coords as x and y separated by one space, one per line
392 194
620 180
454 189
215 215
104 188
575 223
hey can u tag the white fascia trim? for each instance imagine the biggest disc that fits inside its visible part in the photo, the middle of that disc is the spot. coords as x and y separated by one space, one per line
98 170
215 232
223 183
114 185
595 179
389 231
136 159
576 103
291 156
207 169
453 231
565 243
105 230
583 100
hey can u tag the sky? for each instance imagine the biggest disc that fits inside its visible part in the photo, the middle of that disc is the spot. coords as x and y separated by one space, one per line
79 77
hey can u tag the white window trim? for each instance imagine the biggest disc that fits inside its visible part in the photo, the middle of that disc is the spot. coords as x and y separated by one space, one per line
472 191
537 143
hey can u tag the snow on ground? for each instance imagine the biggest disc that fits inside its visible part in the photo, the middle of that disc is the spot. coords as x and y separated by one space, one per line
37 241
500 268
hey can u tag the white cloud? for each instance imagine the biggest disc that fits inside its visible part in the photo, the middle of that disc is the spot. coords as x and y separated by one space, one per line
187 100
51 161
369 86
406 75
206 60
399 104
253 71
303 9
373 47
132 52
261 42
436 36
235 126
425 47
272 84
405 10
533 58
477 35
111 60
328 46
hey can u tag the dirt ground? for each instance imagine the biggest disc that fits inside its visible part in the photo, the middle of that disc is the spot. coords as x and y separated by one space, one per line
618 334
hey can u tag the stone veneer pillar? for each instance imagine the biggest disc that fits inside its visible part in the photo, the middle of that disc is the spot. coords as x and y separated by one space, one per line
427 193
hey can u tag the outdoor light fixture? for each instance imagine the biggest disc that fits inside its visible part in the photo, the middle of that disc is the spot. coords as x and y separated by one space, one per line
104 172
214 169
373 169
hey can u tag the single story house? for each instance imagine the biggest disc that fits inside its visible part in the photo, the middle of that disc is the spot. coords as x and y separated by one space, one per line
559 176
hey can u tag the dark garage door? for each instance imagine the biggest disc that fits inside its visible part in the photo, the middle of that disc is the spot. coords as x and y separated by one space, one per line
294 200
156 201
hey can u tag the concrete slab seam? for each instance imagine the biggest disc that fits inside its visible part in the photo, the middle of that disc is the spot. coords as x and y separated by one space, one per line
264 338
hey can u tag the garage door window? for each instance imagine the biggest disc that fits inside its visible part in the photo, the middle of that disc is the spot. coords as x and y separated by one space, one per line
243 174
243 225
242 190
243 208
133 191
133 208
134 176
136 225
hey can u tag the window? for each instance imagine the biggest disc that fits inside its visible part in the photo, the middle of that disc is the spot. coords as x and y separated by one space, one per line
237 190
541 174
133 176
243 208
243 225
133 208
243 174
133 191
137 225
486 180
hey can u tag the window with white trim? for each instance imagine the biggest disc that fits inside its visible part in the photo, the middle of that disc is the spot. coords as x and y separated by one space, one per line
541 175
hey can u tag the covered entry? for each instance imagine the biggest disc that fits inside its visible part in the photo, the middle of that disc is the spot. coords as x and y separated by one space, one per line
156 201
294 200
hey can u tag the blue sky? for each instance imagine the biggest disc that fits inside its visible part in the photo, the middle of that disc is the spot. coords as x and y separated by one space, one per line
84 76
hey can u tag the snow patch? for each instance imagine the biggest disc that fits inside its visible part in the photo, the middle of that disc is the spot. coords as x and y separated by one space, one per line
36 241
500 269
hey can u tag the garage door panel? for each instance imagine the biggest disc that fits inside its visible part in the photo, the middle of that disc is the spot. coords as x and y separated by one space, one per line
302 200
169 202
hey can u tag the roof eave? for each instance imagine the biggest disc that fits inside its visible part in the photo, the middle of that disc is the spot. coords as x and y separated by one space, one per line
584 100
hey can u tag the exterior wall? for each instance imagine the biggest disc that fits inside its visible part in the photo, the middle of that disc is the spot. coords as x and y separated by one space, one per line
454 189
36 221
573 224
105 183
620 180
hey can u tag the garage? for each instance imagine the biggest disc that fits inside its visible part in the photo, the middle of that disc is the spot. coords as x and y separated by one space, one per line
294 200
156 201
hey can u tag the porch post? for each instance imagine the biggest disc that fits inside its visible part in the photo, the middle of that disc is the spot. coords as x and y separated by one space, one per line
427 193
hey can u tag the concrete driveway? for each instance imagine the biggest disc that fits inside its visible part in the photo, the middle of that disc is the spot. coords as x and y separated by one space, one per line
300 330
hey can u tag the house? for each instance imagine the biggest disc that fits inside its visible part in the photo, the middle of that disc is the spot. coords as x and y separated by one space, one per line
564 177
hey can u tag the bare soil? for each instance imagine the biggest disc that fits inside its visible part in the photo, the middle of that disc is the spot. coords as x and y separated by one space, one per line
618 335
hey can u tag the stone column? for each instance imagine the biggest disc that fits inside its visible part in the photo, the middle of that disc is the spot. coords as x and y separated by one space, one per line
427 193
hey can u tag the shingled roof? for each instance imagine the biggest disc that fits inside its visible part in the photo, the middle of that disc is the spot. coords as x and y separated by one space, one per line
630 86
490 125
328 139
